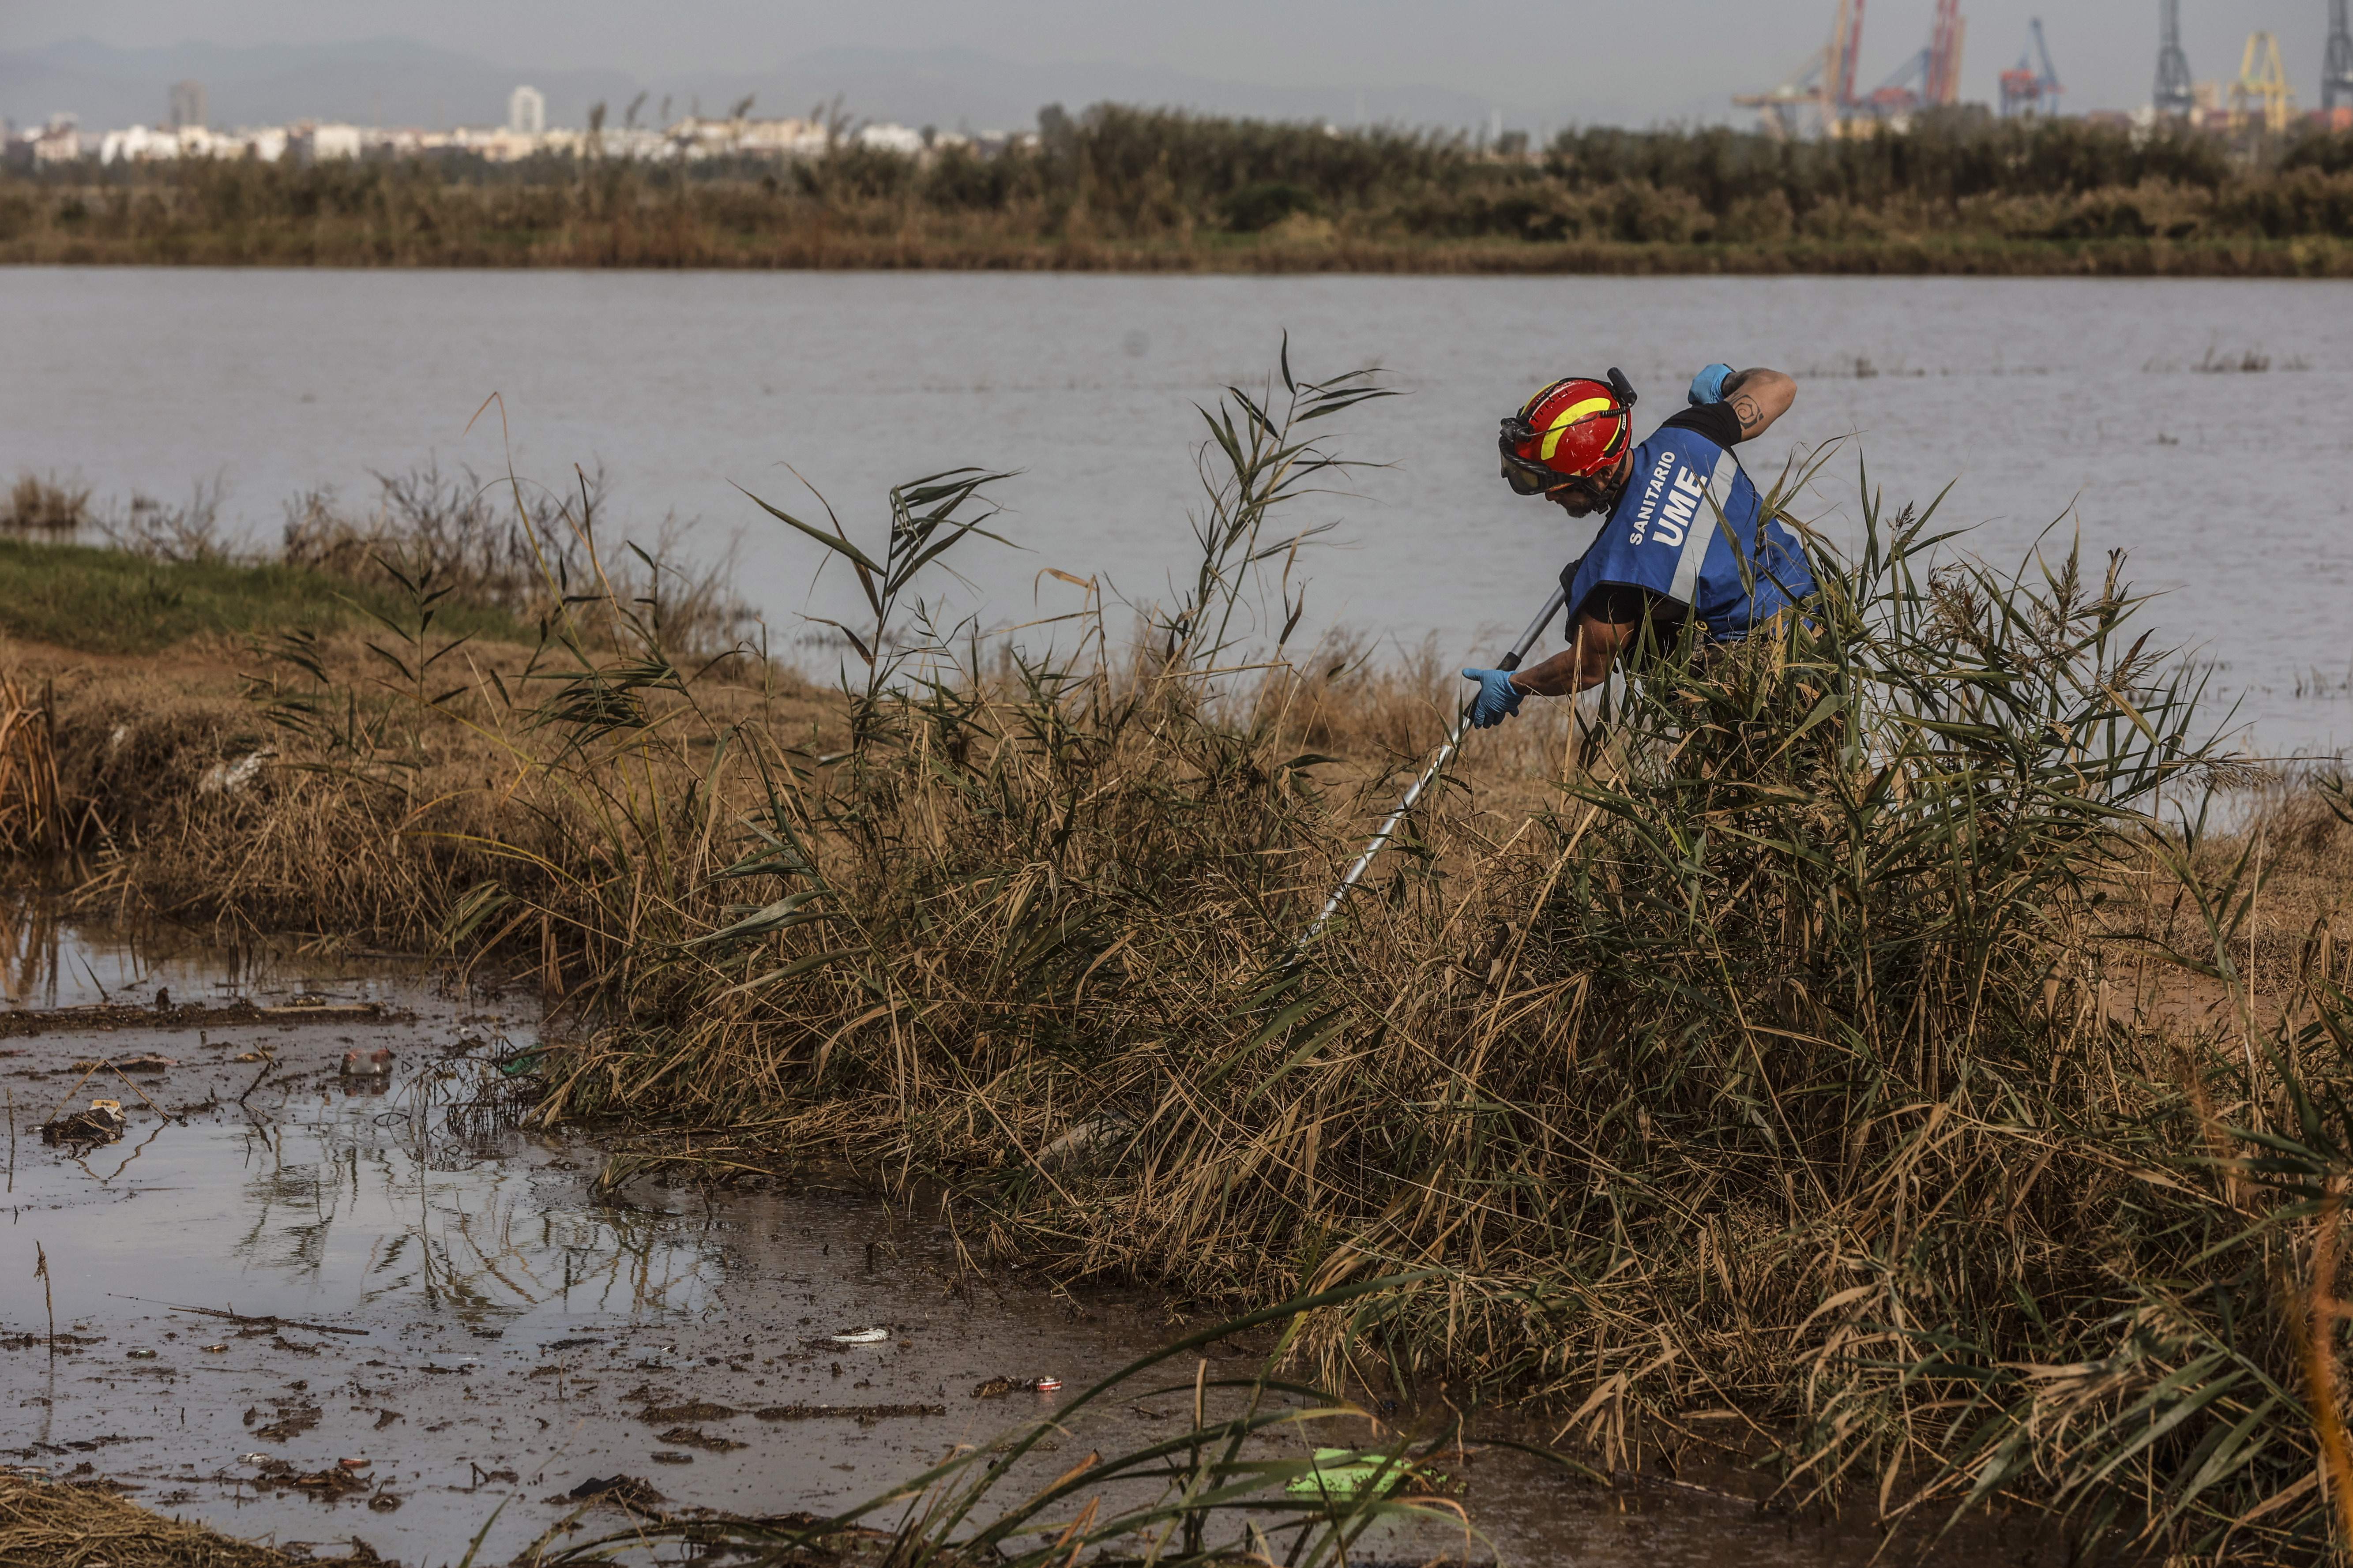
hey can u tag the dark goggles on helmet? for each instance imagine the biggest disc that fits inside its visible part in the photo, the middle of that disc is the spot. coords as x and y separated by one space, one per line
1526 479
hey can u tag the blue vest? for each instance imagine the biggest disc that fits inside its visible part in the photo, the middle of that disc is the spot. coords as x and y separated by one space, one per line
1689 518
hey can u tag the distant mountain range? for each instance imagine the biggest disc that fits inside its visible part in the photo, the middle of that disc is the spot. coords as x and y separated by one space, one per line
397 81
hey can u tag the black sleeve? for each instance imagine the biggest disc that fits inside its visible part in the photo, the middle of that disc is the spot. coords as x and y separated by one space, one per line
1619 604
1716 421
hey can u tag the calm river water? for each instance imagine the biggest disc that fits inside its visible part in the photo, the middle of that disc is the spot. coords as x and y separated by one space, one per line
2095 403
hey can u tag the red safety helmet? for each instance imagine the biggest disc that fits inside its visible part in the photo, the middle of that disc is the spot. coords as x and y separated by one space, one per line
1576 428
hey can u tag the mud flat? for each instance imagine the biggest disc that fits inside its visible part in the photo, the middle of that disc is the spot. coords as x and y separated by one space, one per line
326 1306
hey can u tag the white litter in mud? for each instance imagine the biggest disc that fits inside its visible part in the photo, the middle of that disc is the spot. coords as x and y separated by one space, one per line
862 1337
228 778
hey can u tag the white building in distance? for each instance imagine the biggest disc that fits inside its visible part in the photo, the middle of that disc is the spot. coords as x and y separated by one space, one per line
144 144
527 112
887 138
696 138
314 144
59 141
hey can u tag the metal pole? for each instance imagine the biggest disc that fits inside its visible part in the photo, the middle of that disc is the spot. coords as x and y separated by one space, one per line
1510 661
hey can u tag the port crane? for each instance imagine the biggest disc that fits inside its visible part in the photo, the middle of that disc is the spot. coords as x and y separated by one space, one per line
2175 95
2262 88
2024 89
1823 86
2337 65
1931 78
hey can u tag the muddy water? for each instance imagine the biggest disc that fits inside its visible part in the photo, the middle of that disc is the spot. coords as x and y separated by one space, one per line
460 1309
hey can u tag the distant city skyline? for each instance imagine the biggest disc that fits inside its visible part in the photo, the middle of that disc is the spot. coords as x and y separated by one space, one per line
927 62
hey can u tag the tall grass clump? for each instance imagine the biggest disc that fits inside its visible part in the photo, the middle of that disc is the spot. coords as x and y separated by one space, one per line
1785 1060
524 550
31 805
37 505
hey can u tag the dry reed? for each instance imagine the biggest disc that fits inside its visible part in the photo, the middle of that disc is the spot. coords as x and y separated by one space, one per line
38 505
31 799
46 1525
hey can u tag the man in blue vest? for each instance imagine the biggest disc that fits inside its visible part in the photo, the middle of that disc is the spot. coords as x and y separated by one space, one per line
1684 534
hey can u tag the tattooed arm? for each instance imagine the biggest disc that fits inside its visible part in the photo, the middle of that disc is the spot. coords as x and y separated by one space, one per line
1758 397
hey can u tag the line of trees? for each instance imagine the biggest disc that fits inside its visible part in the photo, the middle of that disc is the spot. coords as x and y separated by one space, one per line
1178 182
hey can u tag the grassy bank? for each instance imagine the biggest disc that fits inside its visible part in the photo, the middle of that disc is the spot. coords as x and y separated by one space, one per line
1826 1052
103 600
470 560
1131 190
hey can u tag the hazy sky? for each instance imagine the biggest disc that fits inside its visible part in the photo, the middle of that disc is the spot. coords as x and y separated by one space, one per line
1652 57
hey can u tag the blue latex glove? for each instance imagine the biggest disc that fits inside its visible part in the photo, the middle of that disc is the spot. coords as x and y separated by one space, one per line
1707 386
1498 698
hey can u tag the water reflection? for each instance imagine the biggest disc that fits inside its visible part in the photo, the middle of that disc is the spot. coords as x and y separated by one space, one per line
357 1164
424 1183
46 961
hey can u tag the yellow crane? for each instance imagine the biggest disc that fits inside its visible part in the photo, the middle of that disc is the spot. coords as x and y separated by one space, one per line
2261 82
1824 84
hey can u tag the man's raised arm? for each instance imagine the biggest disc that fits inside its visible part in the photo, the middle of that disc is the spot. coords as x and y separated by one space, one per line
1758 397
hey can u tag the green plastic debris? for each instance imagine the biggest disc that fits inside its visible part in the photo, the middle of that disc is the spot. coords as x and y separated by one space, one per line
1344 1473
521 1062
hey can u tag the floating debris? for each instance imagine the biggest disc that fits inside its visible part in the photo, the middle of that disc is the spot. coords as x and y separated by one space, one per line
861 1336
102 1123
999 1387
140 1353
1345 1473
853 1412
149 1062
622 1492
376 1063
692 1410
696 1438
295 1416
251 1323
